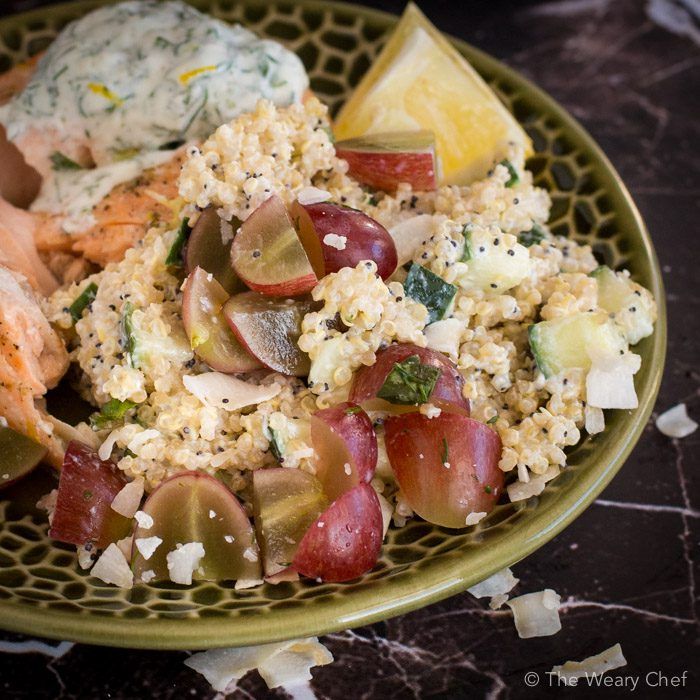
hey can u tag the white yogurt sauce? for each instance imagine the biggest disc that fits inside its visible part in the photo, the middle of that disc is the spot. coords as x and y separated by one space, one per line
138 76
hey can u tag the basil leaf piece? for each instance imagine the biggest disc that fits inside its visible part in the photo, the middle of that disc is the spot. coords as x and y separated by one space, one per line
514 178
82 302
275 446
114 409
59 161
174 257
409 382
127 331
429 289
492 420
535 235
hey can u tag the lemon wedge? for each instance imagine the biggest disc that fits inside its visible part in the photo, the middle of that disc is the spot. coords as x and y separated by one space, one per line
420 81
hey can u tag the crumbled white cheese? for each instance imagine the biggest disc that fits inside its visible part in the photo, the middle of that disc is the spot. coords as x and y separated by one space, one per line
148 576
333 240
676 423
347 468
112 567
591 666
85 557
474 518
250 554
229 538
144 520
536 614
212 514
519 491
147 545
595 419
48 503
312 195
128 500
429 410
183 561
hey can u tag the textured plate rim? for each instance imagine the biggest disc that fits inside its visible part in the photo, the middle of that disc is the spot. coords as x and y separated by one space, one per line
445 577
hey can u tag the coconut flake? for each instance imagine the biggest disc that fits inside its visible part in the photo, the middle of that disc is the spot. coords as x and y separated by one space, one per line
519 491
675 423
287 663
312 195
595 419
148 576
112 567
128 500
144 520
224 391
333 240
105 450
500 583
85 557
536 614
126 544
243 583
444 336
591 666
474 518
183 561
147 545
409 234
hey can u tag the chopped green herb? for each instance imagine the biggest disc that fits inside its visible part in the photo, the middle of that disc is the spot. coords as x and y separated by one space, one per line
372 201
467 253
488 489
409 382
174 257
127 331
492 420
275 446
87 495
445 451
114 409
59 161
429 289
129 453
331 135
352 410
82 302
514 178
535 235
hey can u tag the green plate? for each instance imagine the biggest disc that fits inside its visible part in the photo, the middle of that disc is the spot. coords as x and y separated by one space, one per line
42 589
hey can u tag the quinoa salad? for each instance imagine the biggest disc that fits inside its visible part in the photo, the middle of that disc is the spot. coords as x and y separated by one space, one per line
296 334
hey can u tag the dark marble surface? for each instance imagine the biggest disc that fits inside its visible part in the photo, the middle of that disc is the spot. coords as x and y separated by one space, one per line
627 569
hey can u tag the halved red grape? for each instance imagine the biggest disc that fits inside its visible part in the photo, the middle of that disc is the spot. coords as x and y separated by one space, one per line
447 393
209 334
285 503
447 466
267 254
345 444
336 236
195 507
206 249
269 329
345 541
19 456
86 489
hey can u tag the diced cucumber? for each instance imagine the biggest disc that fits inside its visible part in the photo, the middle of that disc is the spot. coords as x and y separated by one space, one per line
568 342
329 358
532 237
514 178
174 256
144 347
492 265
631 306
431 290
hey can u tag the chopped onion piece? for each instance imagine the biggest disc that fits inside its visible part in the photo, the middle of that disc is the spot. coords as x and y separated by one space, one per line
147 545
519 491
112 567
536 614
224 391
676 423
444 336
312 195
222 667
183 561
592 665
595 419
128 500
293 665
501 582
409 234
